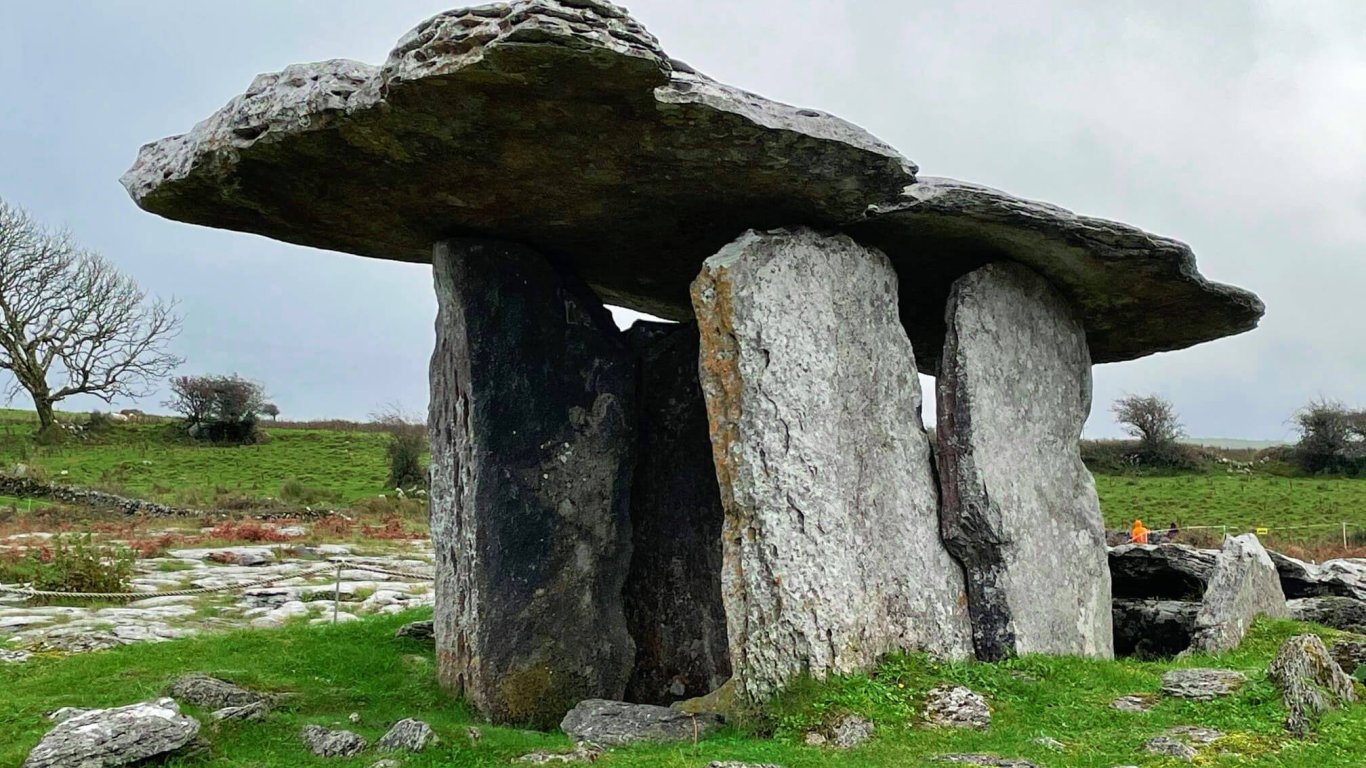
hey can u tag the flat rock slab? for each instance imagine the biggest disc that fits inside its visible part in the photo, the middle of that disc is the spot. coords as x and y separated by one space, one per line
1135 292
673 592
1200 684
953 706
1242 586
407 736
324 742
616 723
115 737
985 761
1168 571
208 692
1311 682
475 126
1020 510
532 413
832 555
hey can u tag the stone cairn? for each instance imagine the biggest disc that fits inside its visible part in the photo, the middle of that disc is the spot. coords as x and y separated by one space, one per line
749 493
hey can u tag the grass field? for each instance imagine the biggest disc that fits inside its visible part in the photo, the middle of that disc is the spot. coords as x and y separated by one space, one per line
151 461
360 667
343 465
1242 502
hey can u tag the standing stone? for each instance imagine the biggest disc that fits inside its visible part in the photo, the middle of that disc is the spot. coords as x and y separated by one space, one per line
673 592
1020 510
1242 586
1310 680
531 420
831 547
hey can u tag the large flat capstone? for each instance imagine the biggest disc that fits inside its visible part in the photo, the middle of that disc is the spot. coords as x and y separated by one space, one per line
1020 510
673 592
562 124
532 435
831 546
1134 292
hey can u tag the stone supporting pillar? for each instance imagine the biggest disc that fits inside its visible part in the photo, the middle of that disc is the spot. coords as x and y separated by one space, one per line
532 436
673 592
831 548
1020 510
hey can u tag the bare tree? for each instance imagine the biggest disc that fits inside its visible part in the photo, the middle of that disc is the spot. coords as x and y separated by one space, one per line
1149 418
71 323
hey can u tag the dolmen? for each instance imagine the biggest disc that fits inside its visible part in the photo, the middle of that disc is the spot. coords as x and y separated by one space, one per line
746 492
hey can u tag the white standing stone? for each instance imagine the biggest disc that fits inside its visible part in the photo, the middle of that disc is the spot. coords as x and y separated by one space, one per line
831 548
1020 509
1242 586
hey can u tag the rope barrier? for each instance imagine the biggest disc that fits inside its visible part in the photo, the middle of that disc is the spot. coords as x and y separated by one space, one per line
336 565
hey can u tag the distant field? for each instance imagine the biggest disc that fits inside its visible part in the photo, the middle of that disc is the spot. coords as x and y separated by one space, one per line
1242 502
151 461
346 463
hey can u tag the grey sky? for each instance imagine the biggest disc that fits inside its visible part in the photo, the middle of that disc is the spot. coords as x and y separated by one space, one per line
1236 126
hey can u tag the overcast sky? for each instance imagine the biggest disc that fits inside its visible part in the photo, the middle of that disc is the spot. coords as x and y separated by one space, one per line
1238 126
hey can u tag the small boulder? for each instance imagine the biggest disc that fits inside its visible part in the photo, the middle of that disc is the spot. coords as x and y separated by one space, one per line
1048 742
733 764
211 693
247 712
1133 703
1350 654
324 742
104 738
1169 747
953 706
583 753
407 735
1201 684
387 762
851 731
1345 613
616 723
1194 734
418 630
1311 682
721 701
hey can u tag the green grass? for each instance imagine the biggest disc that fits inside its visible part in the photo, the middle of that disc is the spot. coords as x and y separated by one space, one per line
1242 502
360 667
150 461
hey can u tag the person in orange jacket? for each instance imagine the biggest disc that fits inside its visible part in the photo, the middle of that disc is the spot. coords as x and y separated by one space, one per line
1139 534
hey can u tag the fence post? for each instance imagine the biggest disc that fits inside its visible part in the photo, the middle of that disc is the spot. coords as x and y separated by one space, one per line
336 595
1344 534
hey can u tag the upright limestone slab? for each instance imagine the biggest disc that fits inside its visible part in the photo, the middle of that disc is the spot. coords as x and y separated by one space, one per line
532 435
831 546
1242 586
673 593
1020 510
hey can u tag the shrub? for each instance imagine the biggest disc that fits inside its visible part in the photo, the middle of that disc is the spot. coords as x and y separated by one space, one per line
407 443
1332 439
72 565
219 409
295 492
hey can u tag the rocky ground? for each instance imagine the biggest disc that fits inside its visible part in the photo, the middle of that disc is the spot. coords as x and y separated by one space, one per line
318 583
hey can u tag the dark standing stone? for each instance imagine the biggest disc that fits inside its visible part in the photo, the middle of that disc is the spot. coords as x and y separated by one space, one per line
1170 571
1019 509
673 593
1153 628
532 435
